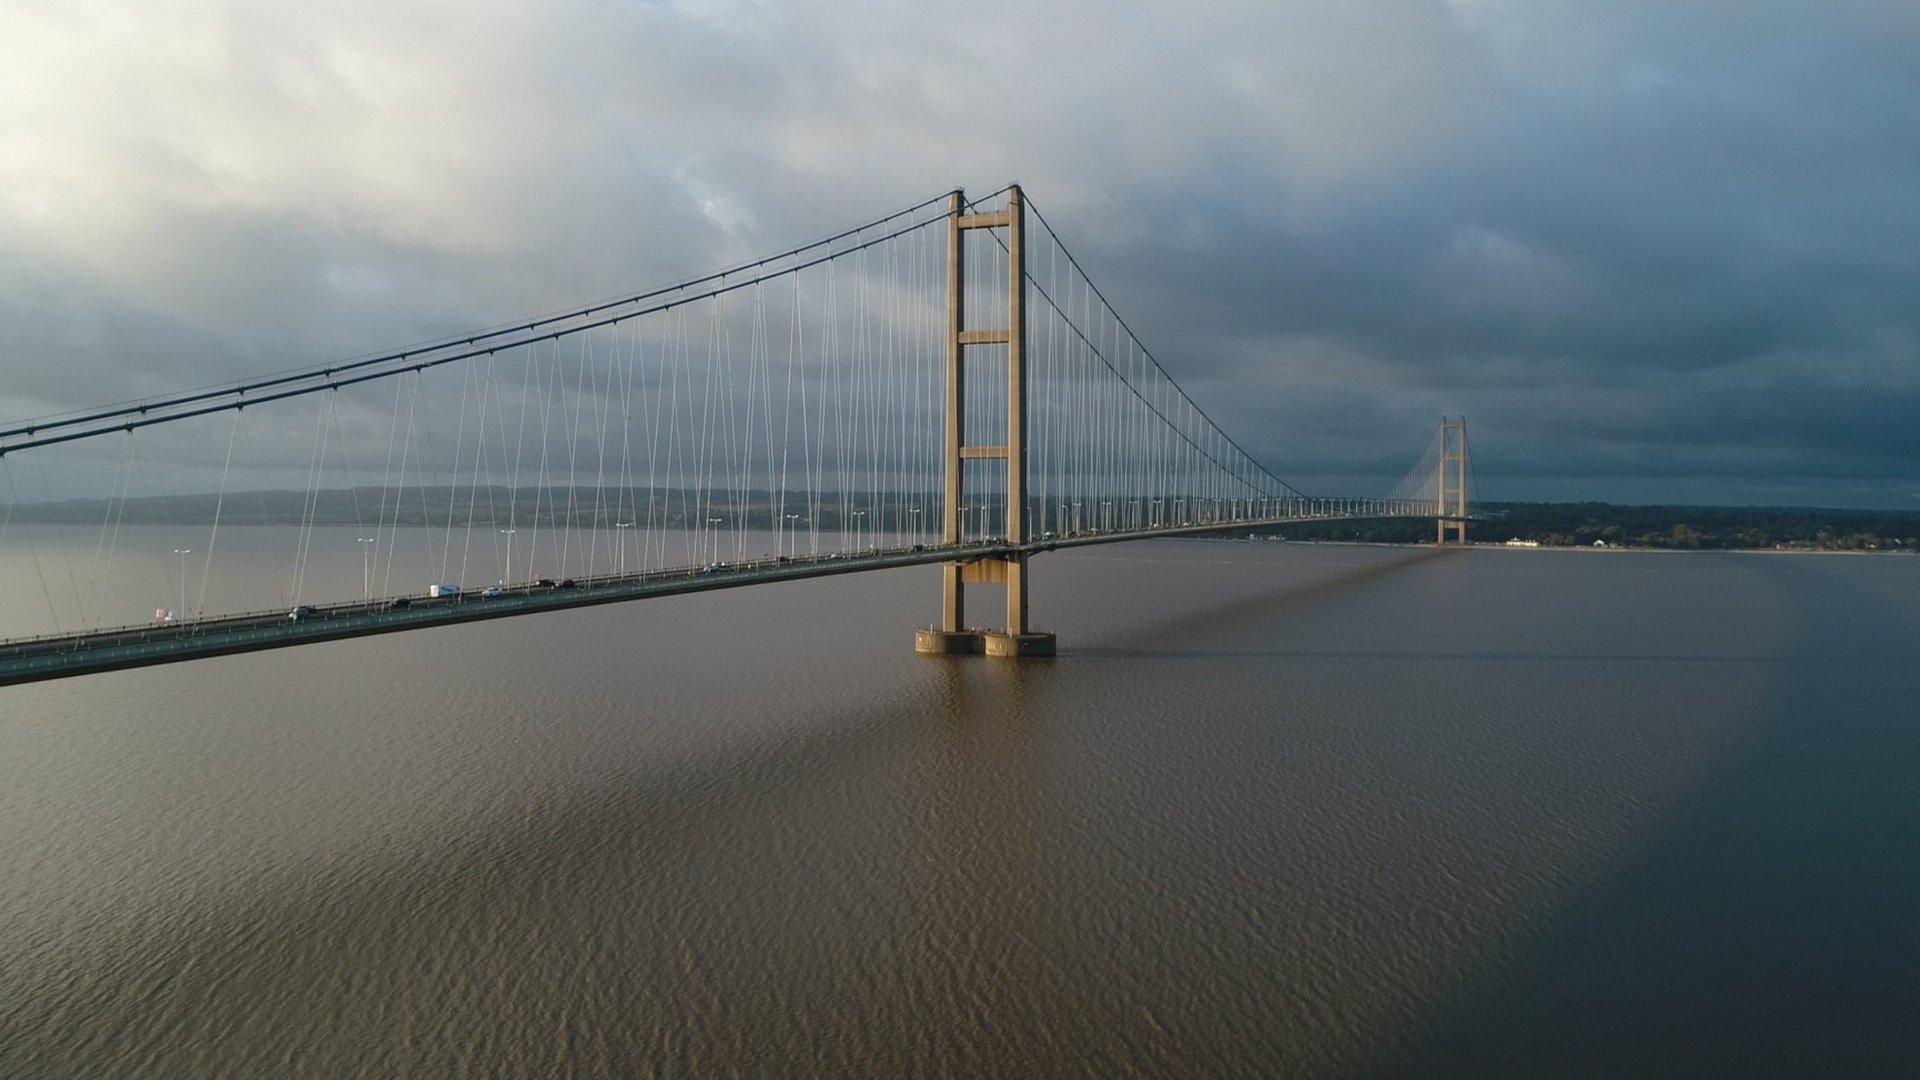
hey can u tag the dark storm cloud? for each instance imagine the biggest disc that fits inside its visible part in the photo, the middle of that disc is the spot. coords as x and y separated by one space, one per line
1671 251
1653 251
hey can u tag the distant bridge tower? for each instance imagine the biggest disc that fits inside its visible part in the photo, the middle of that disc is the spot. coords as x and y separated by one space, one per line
1451 483
953 635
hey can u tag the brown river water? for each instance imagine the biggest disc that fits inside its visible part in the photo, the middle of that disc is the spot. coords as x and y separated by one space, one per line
1275 810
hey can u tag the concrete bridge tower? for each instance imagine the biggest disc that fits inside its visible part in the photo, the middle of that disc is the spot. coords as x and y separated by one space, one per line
953 635
1450 485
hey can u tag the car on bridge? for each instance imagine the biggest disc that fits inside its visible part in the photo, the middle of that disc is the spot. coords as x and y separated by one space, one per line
492 591
300 614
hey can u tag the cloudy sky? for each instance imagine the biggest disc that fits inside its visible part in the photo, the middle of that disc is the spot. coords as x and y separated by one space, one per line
1653 251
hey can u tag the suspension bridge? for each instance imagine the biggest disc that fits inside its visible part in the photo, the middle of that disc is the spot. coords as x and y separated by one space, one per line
942 386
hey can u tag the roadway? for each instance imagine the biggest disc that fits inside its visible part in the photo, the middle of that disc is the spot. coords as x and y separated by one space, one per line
56 656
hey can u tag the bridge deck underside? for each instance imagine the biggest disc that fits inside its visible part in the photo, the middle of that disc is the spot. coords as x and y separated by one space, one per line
62 656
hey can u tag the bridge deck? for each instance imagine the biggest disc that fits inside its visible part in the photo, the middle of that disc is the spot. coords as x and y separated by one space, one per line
24 660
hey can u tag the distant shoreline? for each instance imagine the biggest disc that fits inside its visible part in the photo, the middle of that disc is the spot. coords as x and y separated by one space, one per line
1780 530
1495 545
1625 550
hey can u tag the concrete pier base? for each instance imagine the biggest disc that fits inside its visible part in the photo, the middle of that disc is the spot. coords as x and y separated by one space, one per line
936 642
1018 645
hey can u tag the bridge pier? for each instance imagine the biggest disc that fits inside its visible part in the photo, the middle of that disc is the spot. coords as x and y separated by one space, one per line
1017 646
999 643
934 641
952 637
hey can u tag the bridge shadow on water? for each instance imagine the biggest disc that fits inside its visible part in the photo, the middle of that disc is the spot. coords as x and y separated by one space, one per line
1629 659
1220 619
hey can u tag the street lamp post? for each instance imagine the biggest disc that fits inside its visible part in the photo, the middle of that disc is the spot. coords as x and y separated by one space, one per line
181 611
508 533
623 544
366 566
